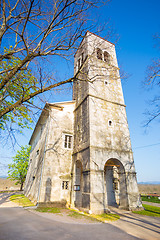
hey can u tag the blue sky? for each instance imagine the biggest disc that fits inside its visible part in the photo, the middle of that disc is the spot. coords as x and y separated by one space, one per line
135 22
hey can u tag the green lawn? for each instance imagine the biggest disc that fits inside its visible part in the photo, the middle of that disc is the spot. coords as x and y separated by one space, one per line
49 209
150 199
21 200
149 211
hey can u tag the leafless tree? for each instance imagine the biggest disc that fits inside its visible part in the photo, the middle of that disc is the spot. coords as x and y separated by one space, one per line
153 81
30 30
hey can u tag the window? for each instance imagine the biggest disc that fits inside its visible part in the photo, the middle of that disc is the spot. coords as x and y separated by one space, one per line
82 58
68 141
106 57
99 53
110 123
115 184
76 187
65 185
79 63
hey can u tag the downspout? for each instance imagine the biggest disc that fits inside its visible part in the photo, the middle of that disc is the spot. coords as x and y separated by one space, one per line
39 189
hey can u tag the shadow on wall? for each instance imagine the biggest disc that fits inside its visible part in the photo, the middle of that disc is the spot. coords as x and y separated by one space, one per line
48 190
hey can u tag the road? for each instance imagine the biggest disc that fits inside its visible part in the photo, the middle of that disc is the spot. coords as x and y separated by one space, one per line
17 223
20 224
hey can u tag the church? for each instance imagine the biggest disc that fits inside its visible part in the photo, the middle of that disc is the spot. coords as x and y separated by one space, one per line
81 150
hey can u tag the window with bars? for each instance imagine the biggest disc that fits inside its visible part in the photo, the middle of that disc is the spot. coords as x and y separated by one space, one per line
68 141
65 185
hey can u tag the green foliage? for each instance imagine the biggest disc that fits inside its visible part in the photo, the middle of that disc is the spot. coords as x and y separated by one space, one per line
21 200
149 211
18 169
22 84
150 199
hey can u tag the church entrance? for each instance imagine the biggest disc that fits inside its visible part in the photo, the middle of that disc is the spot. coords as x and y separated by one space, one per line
115 184
78 184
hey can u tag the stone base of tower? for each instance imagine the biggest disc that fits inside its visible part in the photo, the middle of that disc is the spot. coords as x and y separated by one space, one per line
134 199
99 190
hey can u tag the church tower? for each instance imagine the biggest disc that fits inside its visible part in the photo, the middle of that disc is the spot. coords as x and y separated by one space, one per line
103 166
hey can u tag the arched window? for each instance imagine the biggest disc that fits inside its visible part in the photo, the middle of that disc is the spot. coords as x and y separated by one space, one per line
99 53
106 57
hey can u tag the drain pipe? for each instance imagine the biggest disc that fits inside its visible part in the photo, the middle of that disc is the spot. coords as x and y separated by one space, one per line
39 189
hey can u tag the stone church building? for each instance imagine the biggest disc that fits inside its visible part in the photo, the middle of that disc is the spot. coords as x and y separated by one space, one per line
81 150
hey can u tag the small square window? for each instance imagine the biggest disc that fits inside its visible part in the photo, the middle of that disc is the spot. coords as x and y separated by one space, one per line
65 185
68 141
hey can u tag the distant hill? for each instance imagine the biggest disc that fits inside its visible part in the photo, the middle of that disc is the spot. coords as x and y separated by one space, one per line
3 176
150 182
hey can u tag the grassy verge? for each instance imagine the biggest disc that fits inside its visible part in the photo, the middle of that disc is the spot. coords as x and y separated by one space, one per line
149 211
49 209
79 215
21 200
150 199
101 218
107 217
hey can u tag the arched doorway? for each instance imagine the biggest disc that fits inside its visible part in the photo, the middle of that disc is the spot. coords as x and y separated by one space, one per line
78 184
115 184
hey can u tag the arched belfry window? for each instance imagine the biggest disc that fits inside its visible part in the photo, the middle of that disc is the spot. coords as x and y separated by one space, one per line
99 53
106 57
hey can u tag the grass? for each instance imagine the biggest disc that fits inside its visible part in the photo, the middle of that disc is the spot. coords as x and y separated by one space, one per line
49 209
75 214
80 215
150 199
106 217
21 200
149 211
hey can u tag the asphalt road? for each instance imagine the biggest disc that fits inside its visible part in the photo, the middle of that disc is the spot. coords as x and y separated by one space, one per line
20 224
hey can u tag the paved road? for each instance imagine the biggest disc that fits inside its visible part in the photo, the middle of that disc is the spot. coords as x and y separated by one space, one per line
151 203
20 224
17 223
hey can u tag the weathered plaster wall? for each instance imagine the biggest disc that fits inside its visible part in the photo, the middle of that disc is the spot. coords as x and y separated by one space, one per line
53 164
32 183
58 160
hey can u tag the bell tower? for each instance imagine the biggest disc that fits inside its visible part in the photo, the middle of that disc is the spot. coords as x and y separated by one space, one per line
104 172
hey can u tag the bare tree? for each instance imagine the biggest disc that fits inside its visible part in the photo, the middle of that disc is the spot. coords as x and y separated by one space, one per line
153 81
30 30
